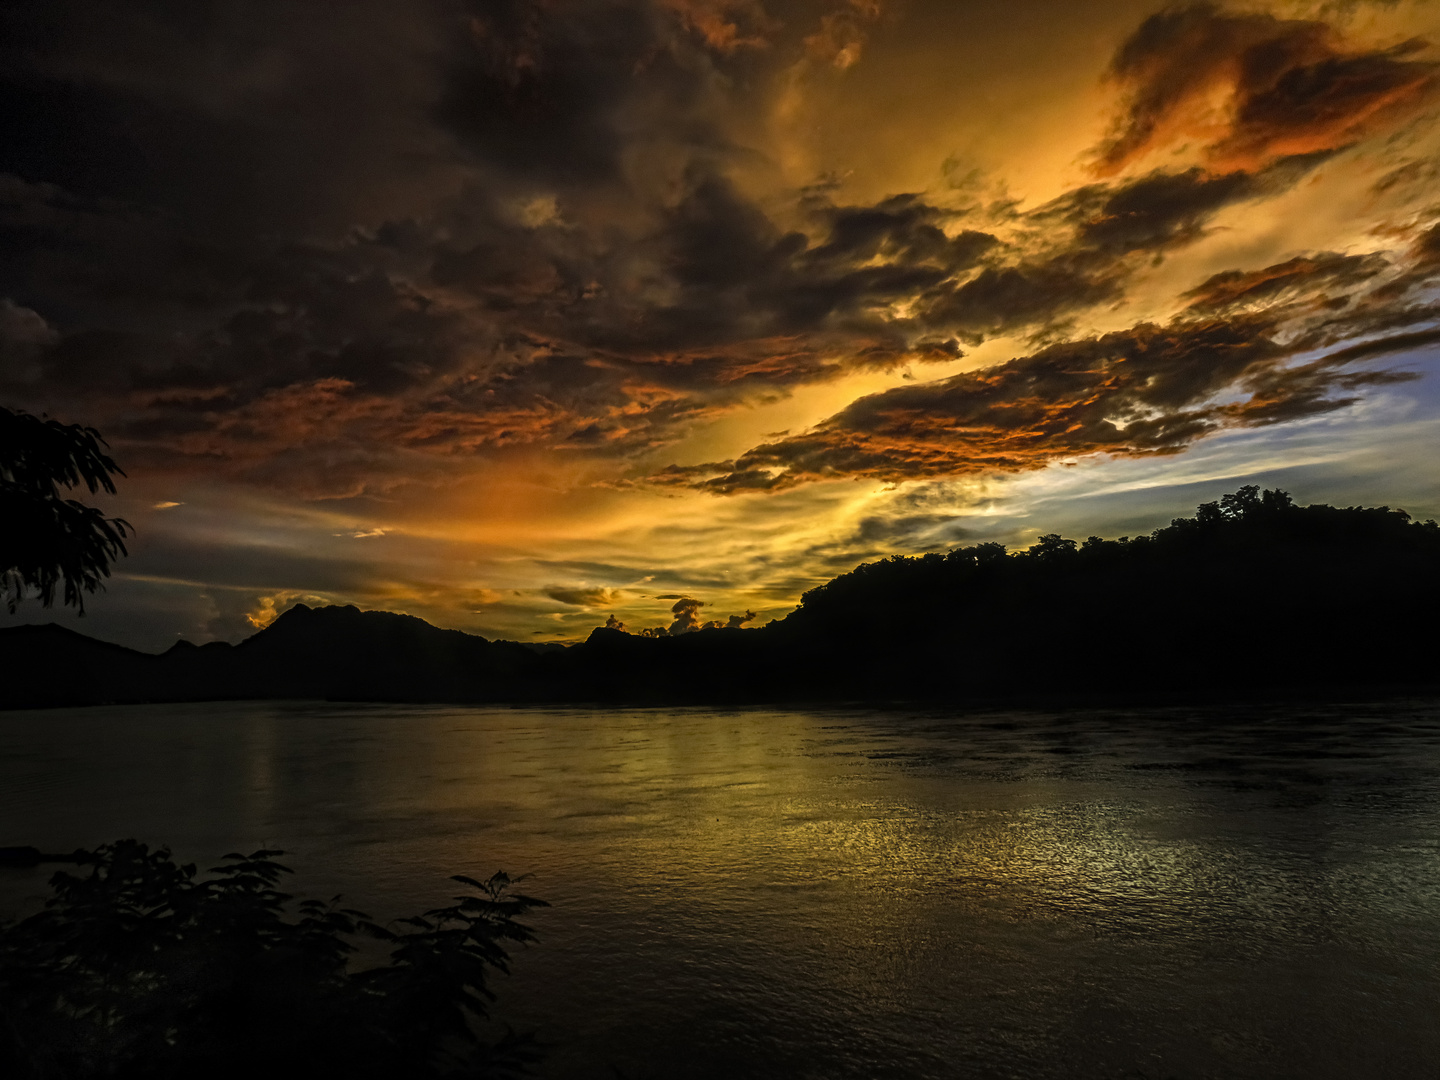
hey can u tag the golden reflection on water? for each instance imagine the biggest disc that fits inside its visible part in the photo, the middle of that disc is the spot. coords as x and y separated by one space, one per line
839 894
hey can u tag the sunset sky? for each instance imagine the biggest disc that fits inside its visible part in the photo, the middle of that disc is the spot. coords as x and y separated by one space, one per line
522 315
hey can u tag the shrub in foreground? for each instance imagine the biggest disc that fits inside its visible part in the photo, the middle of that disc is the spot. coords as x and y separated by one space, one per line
140 969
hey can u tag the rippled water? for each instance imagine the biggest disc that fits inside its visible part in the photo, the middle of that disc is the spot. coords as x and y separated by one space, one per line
1165 893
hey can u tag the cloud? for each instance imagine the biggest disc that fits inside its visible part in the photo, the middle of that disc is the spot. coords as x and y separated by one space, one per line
24 335
167 505
1251 88
1123 392
876 528
1427 247
1147 390
584 597
1164 210
725 25
840 39
686 612
487 229
534 89
632 575
1235 357
687 620
1292 279
752 310
548 245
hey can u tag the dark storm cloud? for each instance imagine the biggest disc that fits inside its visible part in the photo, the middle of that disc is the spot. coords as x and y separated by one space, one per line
536 87
738 280
1097 237
246 241
330 333
303 121
335 253
182 187
1164 210
1386 346
1294 86
1281 395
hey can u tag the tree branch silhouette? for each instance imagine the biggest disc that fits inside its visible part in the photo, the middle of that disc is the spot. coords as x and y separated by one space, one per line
51 544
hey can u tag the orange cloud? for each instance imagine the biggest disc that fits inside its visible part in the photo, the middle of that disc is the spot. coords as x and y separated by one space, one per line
725 25
841 37
1252 88
1294 277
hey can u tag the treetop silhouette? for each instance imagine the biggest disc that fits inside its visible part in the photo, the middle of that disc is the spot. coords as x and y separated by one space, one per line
48 540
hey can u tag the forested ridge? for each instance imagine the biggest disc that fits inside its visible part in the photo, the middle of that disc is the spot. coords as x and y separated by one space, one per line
1252 590
1240 534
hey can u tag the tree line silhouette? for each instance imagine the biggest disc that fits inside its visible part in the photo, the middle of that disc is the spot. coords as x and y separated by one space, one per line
1253 591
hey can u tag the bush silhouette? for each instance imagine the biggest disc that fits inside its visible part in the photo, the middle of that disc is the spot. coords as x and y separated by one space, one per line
140 969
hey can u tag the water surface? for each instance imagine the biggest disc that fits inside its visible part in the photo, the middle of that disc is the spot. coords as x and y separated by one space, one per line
1241 892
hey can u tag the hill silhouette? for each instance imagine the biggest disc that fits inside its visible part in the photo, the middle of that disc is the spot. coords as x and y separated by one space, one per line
329 653
1251 594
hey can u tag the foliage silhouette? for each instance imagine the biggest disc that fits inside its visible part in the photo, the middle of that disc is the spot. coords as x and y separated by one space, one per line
139 969
1253 591
46 539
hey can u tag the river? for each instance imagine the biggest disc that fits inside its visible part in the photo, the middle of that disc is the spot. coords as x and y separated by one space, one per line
1221 892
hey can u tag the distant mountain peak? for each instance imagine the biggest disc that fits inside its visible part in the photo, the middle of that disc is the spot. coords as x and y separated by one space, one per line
303 619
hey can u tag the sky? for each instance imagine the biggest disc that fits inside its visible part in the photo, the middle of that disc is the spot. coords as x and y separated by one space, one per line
526 316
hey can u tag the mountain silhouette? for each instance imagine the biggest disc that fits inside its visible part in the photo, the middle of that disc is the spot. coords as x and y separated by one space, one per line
329 653
1252 594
